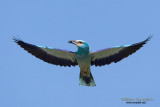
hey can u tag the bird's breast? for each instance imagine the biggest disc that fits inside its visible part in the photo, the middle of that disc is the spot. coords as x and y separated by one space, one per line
84 60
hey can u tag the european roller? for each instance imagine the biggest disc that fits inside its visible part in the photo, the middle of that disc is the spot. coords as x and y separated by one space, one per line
82 57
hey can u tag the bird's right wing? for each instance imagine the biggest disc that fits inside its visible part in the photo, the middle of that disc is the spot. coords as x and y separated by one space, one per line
115 54
50 55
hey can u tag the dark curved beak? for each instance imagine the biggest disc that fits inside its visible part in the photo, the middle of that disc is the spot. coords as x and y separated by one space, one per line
72 41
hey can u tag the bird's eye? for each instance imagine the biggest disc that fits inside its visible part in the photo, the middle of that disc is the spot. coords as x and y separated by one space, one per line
80 42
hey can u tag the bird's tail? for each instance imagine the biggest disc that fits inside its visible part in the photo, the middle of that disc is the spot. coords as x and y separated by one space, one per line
86 78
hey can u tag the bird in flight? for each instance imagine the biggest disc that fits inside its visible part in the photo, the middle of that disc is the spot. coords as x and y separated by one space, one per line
83 57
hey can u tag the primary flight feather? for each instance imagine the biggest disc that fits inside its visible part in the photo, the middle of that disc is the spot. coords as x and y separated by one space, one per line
83 57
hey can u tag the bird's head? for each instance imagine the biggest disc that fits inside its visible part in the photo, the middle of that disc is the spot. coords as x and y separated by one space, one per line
79 43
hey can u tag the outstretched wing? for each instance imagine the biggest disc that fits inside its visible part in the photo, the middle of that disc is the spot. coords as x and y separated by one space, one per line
115 54
48 54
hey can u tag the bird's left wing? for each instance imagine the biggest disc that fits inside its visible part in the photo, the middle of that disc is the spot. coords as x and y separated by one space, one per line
50 55
115 54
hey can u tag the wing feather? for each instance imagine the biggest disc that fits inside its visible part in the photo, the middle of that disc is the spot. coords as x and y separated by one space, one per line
48 54
115 54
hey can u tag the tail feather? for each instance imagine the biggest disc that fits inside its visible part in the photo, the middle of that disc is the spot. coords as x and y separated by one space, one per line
86 80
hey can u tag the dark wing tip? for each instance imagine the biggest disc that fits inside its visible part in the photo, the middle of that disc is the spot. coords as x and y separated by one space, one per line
140 44
16 39
148 39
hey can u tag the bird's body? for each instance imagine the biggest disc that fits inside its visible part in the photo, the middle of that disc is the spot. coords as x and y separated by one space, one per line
84 61
83 57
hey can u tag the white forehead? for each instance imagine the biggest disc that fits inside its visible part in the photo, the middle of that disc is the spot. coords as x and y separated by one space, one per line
80 41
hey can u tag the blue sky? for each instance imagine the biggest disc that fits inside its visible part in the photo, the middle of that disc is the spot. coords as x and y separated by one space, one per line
26 81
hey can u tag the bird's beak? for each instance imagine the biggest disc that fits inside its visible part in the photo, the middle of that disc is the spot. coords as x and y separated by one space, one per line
73 42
